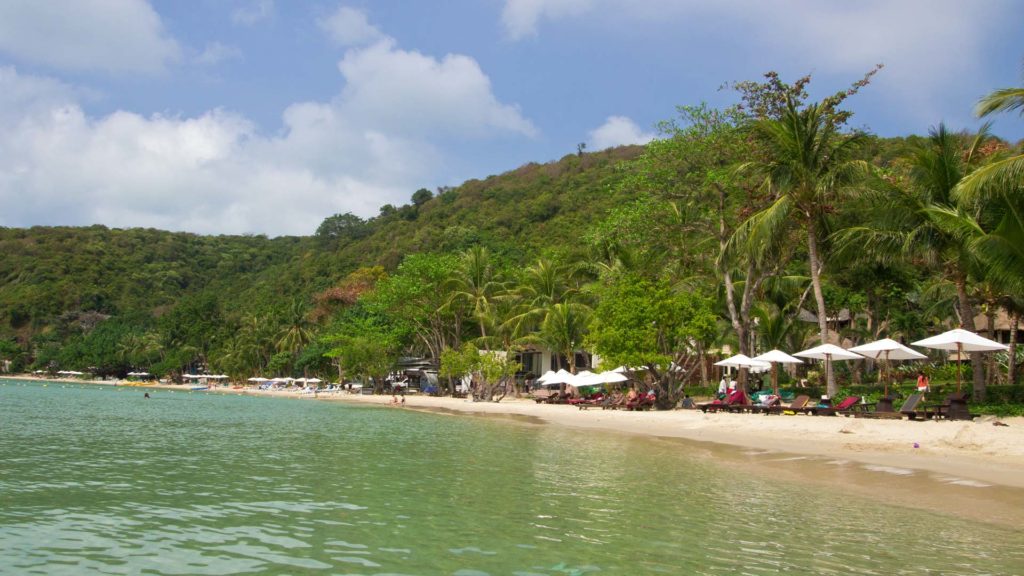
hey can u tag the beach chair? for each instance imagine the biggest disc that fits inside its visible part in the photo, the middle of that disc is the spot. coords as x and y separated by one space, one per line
736 397
795 407
909 409
584 403
642 402
953 408
769 402
843 406
614 402
543 396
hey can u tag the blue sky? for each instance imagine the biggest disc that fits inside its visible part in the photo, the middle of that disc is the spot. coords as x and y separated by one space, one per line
266 116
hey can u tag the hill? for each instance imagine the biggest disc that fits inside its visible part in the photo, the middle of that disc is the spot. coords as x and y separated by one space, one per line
68 296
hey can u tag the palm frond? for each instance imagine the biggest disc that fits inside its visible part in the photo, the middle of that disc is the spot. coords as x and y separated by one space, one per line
1002 100
1002 176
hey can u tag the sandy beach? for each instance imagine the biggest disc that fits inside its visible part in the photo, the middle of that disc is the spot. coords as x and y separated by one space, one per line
978 452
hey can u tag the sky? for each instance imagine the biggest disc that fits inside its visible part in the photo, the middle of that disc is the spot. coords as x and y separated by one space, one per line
267 116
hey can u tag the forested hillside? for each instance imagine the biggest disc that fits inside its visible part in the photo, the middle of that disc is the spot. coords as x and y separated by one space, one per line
58 284
768 224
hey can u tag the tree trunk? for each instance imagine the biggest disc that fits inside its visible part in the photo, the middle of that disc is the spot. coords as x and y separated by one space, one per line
1011 355
703 366
730 289
734 317
990 368
967 322
819 299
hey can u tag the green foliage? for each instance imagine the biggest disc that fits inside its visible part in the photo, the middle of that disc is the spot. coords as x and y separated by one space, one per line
342 228
765 206
421 196
643 322
363 344
490 371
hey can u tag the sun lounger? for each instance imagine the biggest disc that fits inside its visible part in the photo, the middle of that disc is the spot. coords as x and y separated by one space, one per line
953 408
795 407
544 396
737 397
909 409
583 403
641 402
767 403
842 407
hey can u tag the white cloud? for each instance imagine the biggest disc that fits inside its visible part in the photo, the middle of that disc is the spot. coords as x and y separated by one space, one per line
617 131
113 36
350 27
521 17
374 143
217 53
410 92
253 12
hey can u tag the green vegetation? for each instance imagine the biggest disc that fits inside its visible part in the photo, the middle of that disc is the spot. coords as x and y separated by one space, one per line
766 224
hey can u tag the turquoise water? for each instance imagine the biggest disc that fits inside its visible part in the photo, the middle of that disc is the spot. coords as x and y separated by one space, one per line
97 479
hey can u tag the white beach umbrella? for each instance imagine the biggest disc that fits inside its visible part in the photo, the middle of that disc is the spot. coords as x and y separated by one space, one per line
314 380
744 361
592 379
887 349
584 378
258 379
563 376
776 357
960 340
828 353
612 377
544 377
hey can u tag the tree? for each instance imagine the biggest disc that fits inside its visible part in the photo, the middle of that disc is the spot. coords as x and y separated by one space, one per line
563 330
475 284
643 322
342 228
296 332
364 345
421 197
490 371
925 224
413 303
807 161
1005 173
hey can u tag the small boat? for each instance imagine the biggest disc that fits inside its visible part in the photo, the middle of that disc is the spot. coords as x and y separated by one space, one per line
199 388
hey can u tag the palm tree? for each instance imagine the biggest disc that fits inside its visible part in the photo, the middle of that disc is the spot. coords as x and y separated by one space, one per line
476 285
296 332
563 329
543 285
926 224
1006 173
808 160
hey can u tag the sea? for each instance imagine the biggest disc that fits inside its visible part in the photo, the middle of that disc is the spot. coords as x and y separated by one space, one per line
102 480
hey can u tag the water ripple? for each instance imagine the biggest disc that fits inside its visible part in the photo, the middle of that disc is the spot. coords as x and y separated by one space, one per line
98 481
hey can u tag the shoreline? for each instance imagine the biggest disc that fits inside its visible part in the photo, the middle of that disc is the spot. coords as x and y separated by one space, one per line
966 452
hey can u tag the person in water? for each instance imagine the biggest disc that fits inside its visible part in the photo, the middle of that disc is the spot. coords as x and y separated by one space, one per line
146 395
